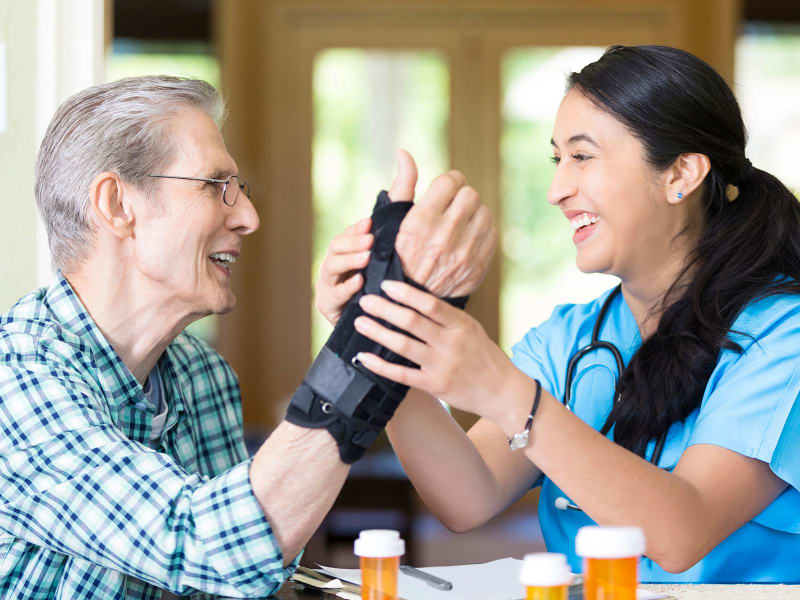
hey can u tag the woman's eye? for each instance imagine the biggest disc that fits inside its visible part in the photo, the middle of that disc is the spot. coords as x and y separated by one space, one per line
555 159
580 157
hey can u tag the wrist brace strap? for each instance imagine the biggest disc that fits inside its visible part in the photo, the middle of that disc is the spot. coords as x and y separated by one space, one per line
337 392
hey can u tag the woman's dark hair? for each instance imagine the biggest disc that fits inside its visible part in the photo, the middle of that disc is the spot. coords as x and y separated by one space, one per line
675 103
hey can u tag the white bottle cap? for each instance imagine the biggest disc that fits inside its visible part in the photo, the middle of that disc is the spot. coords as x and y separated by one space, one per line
379 543
545 569
609 542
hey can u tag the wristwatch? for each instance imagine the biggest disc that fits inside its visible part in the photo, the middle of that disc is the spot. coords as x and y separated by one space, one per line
520 440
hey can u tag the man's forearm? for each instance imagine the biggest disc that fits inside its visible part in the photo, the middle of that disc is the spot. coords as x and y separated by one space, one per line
296 475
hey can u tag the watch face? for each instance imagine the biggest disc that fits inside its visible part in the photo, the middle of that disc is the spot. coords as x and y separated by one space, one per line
519 440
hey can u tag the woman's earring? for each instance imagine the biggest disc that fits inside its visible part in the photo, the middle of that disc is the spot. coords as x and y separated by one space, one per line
680 195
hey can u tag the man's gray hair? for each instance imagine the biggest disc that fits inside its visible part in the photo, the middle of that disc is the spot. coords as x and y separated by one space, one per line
122 127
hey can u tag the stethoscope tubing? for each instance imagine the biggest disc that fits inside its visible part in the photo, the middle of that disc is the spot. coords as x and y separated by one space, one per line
596 343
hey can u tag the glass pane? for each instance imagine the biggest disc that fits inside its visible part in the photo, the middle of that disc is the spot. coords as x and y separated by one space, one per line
537 254
768 87
131 58
367 104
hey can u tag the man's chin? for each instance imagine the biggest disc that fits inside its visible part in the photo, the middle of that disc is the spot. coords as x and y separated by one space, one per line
225 306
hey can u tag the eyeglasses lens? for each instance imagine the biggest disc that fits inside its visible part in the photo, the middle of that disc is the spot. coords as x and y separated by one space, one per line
232 190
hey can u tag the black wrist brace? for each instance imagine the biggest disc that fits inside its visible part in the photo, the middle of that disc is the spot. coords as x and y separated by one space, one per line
337 392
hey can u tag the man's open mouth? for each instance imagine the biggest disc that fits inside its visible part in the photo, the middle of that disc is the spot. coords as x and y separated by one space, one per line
224 260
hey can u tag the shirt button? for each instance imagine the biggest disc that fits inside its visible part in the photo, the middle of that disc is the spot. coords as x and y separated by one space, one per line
140 406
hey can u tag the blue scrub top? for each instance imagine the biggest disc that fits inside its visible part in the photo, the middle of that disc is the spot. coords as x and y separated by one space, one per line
749 406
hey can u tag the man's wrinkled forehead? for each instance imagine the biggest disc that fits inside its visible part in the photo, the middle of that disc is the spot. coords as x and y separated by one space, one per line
198 146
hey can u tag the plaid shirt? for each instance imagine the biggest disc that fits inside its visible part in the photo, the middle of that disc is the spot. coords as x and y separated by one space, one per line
89 508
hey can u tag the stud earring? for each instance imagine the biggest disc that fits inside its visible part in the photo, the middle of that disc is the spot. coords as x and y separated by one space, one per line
680 195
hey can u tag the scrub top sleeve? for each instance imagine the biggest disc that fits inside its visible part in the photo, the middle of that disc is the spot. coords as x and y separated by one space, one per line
541 353
751 403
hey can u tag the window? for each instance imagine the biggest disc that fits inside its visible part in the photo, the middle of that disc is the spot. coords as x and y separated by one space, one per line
538 257
766 84
367 104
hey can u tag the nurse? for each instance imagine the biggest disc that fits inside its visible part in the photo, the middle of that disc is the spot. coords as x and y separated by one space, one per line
696 439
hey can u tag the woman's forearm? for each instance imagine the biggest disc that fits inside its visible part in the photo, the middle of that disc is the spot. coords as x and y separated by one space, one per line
450 471
684 513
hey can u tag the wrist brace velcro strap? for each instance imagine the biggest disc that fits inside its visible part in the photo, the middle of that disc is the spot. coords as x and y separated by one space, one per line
337 392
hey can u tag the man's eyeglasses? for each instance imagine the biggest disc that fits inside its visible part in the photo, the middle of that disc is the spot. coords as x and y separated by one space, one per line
230 186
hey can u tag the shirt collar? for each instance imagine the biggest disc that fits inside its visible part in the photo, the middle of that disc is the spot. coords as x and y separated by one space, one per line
69 311
620 327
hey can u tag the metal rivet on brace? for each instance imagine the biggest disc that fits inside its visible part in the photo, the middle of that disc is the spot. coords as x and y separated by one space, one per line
354 361
327 408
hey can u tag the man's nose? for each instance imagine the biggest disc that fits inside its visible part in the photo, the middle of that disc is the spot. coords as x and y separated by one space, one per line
243 217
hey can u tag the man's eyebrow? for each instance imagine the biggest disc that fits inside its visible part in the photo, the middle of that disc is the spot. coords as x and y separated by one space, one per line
222 174
581 137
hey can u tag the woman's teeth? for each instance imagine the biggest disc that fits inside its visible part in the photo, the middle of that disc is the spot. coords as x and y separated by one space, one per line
583 220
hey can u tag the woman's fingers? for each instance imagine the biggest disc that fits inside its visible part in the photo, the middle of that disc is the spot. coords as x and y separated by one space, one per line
352 242
400 316
337 265
348 288
397 342
424 303
401 374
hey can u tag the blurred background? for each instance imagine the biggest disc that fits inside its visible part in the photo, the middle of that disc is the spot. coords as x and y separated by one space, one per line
321 94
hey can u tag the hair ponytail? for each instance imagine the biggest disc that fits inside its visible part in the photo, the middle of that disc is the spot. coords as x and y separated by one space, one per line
749 247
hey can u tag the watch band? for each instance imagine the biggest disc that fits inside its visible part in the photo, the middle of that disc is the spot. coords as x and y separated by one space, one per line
520 440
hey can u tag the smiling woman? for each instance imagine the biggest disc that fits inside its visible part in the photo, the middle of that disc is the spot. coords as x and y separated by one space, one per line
652 174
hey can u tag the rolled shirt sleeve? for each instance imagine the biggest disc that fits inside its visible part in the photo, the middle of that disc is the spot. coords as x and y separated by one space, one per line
751 403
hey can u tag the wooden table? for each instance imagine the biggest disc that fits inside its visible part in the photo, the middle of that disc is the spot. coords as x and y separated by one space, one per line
679 592
726 592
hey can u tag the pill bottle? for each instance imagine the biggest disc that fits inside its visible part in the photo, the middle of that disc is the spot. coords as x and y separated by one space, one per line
610 561
379 551
546 576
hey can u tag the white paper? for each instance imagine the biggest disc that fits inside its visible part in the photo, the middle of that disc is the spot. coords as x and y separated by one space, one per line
3 89
496 580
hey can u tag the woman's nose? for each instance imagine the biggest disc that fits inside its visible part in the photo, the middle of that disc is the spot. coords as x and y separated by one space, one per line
562 186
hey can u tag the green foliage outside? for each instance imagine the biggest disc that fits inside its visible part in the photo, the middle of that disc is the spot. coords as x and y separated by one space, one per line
367 104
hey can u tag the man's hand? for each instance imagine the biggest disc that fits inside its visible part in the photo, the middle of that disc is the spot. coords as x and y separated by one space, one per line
446 241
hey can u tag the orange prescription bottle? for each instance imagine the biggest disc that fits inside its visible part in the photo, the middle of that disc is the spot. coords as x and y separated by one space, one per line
610 561
546 576
379 551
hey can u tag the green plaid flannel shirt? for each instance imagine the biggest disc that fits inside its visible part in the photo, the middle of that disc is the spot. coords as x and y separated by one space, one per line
89 508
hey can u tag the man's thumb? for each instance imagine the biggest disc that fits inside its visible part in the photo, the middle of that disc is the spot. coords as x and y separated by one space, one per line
406 178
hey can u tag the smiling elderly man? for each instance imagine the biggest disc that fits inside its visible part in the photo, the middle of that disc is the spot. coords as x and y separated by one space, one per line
123 470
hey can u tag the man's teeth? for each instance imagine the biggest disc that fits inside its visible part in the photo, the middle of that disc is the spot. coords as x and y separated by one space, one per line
223 257
583 220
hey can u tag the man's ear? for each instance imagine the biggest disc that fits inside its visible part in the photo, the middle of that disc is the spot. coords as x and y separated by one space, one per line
111 210
686 176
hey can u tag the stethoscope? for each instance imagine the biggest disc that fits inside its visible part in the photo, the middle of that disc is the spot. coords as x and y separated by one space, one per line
562 503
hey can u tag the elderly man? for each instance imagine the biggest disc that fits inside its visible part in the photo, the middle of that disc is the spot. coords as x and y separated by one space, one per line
122 466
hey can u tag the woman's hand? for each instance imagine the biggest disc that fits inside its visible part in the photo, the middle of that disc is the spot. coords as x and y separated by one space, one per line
339 277
458 362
